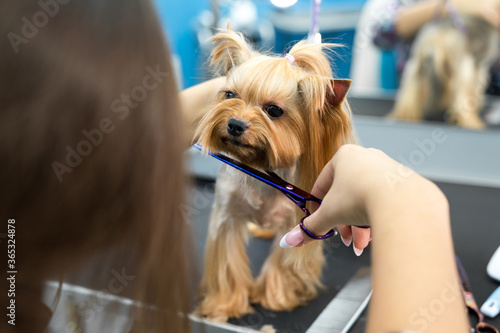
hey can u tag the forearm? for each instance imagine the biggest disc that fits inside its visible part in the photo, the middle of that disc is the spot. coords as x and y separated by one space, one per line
413 262
413 17
194 101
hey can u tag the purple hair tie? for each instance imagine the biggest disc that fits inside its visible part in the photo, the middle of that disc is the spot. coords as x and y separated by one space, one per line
457 20
290 58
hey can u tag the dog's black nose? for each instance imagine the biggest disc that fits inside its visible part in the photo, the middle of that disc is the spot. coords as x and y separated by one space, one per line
236 127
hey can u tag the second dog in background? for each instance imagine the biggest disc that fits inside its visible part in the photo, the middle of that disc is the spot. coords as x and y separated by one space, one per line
447 73
282 114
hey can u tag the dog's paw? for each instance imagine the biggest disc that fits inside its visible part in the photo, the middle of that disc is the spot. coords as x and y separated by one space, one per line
260 232
220 308
281 289
279 303
472 123
467 118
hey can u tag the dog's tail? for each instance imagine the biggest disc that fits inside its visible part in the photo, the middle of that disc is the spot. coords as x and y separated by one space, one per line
426 85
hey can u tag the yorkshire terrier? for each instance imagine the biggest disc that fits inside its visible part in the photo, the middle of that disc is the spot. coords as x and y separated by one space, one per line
281 114
447 73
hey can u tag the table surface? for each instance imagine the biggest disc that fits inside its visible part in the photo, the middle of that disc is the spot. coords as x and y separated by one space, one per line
475 216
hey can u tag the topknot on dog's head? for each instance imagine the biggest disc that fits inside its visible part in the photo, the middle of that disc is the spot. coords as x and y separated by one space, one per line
230 50
313 58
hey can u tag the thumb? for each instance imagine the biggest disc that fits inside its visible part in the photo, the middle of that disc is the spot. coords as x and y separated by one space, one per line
317 223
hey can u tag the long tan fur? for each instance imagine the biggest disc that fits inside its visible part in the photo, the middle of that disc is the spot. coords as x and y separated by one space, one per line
315 123
447 72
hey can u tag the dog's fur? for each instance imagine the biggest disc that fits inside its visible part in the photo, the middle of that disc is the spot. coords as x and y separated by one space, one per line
448 72
296 145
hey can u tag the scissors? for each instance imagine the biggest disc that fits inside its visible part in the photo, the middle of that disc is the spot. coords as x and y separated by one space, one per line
470 302
297 195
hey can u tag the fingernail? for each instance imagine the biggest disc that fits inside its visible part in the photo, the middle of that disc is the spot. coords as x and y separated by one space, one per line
292 239
357 251
346 242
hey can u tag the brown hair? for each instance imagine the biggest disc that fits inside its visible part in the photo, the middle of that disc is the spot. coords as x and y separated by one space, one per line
90 152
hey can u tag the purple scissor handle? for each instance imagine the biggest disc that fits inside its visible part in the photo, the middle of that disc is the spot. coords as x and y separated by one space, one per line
470 301
297 195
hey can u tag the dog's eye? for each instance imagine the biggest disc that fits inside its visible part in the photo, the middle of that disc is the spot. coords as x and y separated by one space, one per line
274 111
230 94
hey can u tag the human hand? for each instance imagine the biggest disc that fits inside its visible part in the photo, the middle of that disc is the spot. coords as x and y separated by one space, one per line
489 10
347 183
194 101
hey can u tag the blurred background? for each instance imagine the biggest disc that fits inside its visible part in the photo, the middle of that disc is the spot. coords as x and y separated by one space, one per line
272 25
472 158
277 24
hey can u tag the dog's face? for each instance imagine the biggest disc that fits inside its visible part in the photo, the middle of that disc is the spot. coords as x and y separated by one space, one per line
271 111
257 117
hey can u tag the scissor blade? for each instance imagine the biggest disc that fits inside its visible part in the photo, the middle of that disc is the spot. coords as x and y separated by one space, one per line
293 189
464 279
270 179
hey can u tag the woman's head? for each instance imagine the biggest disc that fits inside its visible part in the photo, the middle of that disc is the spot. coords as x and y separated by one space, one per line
89 141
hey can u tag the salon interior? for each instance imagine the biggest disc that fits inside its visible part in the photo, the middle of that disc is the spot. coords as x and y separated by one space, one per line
463 161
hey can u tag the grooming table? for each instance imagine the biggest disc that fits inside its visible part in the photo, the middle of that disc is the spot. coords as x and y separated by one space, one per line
342 266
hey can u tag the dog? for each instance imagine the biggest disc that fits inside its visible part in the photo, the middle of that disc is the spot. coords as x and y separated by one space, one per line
282 114
447 73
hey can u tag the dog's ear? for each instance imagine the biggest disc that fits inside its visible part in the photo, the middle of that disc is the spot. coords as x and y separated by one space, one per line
320 92
328 121
230 50
337 95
